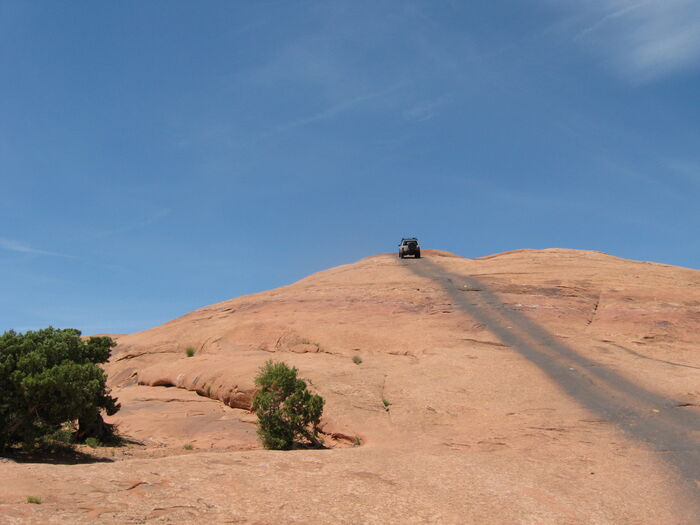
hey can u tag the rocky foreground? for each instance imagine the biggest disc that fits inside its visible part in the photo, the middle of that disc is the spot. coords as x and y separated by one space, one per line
552 386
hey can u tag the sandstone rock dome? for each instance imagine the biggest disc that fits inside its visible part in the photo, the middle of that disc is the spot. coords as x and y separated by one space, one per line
532 386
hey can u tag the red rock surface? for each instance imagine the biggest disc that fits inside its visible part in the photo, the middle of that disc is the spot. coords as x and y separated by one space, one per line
552 386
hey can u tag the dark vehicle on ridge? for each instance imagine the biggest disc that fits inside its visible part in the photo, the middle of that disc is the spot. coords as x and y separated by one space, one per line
409 246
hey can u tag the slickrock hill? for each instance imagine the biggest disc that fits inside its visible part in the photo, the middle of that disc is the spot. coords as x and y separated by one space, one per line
533 386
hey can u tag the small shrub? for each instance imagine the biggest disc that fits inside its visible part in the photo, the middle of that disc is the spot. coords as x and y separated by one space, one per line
286 410
189 351
357 359
34 499
62 436
92 442
188 447
356 442
208 390
386 402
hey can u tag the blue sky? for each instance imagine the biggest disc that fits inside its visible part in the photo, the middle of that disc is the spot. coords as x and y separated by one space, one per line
156 157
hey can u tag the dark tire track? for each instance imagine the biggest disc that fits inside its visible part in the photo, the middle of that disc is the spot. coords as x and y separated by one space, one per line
642 356
595 310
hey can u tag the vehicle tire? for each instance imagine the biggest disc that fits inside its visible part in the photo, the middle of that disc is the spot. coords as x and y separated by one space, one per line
400 255
417 255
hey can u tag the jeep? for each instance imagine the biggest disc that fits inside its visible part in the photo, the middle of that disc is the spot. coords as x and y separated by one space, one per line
409 246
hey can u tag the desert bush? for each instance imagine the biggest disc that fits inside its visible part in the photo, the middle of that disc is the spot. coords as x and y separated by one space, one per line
188 447
386 402
63 435
92 442
356 359
51 377
34 499
189 351
287 412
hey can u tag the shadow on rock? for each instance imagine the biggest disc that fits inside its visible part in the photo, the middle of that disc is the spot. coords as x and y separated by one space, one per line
642 414
60 456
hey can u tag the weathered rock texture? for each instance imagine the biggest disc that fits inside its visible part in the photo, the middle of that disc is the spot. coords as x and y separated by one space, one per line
552 386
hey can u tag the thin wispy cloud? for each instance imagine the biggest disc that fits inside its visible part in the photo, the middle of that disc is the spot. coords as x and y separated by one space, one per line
688 170
157 215
426 110
608 18
328 113
644 40
333 111
12 245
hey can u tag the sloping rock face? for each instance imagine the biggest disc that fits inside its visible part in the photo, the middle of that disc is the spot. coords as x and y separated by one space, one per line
550 386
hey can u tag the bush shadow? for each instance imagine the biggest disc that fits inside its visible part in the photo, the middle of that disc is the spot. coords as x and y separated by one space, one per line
64 455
